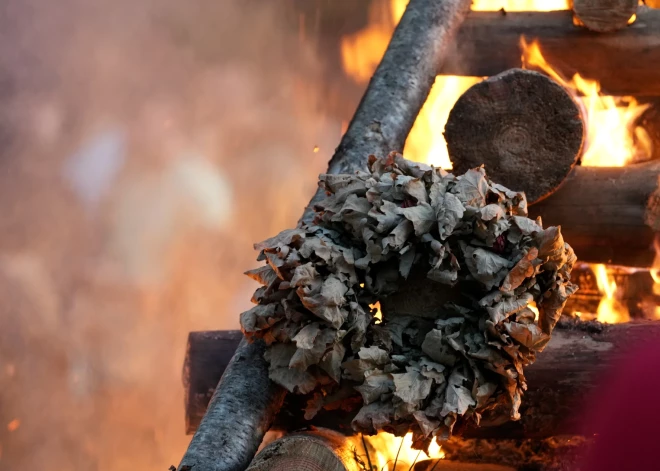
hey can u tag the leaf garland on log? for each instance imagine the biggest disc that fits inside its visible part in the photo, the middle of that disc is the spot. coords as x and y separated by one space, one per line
487 261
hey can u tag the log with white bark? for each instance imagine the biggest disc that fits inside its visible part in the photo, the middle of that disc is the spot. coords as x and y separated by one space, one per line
623 62
246 401
564 375
399 87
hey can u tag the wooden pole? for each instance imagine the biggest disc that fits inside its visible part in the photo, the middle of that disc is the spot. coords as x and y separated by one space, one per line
609 215
564 375
228 436
522 126
624 63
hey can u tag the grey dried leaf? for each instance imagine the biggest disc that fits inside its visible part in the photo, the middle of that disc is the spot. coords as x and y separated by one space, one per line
305 275
304 358
374 355
449 213
471 188
525 268
374 386
426 424
287 237
411 387
294 380
406 262
422 217
551 307
258 318
529 335
526 225
387 216
399 235
332 360
508 307
491 211
551 248
305 338
485 266
417 190
373 417
264 275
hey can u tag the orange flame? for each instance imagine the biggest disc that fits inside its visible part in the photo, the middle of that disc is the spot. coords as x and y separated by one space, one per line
385 452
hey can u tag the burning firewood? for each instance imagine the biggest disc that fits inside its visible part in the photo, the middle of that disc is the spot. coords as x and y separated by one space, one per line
604 16
578 353
571 49
523 126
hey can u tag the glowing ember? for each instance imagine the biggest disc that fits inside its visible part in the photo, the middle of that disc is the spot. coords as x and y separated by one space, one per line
13 425
385 452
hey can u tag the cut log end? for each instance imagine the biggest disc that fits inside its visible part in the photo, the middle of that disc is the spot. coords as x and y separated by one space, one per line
604 16
319 450
522 126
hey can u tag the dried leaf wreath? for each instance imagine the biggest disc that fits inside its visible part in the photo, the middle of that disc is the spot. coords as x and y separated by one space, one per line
407 231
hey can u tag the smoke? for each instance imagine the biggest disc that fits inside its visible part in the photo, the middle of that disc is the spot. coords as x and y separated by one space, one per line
144 146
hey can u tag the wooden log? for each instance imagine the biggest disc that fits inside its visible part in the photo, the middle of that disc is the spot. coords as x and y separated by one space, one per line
217 347
523 126
318 450
399 87
608 215
239 414
563 376
624 63
604 16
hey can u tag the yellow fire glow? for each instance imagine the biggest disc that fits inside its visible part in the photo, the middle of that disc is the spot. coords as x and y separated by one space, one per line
610 309
382 451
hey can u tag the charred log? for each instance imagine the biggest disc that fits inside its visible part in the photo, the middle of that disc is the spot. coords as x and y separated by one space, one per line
604 16
523 126
609 215
562 377
397 91
489 43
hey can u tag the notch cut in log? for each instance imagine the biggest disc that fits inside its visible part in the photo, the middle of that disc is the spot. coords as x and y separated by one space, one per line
579 354
523 126
625 63
608 215
604 16
228 436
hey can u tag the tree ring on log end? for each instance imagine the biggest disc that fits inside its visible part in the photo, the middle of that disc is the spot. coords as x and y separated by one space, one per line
522 126
604 16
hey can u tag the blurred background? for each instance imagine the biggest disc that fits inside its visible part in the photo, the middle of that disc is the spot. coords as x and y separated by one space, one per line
144 146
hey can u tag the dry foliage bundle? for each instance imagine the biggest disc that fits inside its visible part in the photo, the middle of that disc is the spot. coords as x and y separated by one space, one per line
426 371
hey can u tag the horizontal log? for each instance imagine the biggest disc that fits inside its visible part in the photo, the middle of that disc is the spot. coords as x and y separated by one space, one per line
608 215
625 62
562 377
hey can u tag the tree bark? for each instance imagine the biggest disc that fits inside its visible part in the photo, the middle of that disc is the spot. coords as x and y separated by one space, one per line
604 16
240 412
318 450
624 63
523 126
564 375
608 215
399 87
